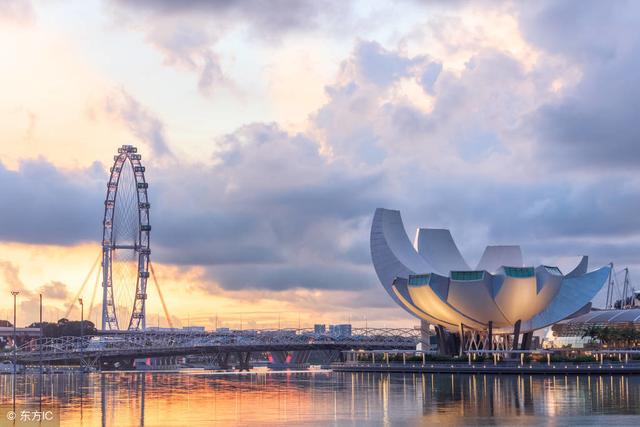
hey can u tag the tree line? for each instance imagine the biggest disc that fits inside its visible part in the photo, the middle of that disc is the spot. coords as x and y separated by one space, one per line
65 328
613 337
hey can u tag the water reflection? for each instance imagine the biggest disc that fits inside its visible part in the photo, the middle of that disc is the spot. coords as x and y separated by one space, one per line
200 399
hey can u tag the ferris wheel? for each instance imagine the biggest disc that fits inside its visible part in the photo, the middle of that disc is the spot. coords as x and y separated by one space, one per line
125 243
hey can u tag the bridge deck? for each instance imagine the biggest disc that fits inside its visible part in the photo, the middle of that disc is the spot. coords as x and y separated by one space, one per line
145 344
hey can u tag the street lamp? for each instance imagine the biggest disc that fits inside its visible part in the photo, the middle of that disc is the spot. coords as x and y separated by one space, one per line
81 318
15 347
15 294
81 330
41 335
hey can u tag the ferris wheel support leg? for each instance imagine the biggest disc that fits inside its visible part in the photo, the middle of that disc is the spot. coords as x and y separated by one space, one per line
93 294
84 283
106 253
164 305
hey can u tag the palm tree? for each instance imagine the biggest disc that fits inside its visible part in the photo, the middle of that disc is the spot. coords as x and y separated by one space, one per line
636 337
593 332
606 335
629 335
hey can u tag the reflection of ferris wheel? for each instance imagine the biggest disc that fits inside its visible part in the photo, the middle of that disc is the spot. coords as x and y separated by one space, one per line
125 243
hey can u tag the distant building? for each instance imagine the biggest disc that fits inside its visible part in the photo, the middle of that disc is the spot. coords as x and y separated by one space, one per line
159 329
343 330
194 328
320 329
284 332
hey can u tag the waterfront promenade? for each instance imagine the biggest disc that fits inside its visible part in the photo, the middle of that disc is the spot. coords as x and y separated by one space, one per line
582 368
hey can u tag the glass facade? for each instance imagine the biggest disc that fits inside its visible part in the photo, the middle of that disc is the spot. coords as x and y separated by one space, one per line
467 275
419 279
519 271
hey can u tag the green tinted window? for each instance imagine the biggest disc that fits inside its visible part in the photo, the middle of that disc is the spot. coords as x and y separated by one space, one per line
467 275
419 279
519 271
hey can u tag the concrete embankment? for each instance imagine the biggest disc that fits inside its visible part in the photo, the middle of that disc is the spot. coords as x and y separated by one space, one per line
489 368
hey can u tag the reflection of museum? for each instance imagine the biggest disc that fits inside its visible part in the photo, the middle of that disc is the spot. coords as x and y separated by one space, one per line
500 296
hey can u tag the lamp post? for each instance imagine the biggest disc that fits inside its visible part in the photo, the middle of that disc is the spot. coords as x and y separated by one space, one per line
15 294
81 317
41 335
15 347
81 331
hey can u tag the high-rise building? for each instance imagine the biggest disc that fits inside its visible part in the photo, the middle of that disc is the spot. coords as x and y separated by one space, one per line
343 330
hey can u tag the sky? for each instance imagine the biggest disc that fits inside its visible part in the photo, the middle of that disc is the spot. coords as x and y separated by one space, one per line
272 130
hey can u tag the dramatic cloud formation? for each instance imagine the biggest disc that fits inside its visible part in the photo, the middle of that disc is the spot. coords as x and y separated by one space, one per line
505 123
143 125
43 204
12 279
593 123
55 290
187 32
272 17
29 300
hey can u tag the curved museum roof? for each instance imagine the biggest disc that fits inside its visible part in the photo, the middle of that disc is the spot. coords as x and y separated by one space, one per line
616 318
627 316
431 280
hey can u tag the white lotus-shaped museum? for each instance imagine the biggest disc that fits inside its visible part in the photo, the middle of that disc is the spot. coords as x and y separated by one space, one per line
432 281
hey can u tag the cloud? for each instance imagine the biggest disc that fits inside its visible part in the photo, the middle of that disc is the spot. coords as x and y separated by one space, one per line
268 214
470 164
28 301
11 276
55 290
268 203
594 31
187 33
592 123
468 116
42 204
277 16
494 149
310 275
16 11
381 66
143 124
549 219
190 47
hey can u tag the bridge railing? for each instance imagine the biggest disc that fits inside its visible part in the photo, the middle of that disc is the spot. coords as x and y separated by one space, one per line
146 340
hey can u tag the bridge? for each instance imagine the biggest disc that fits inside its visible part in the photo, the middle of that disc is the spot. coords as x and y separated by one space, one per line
219 348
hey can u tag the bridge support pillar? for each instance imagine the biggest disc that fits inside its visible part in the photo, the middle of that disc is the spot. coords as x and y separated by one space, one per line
330 356
223 361
243 360
300 357
279 357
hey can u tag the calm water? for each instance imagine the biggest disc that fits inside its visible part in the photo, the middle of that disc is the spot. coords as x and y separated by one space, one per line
204 399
